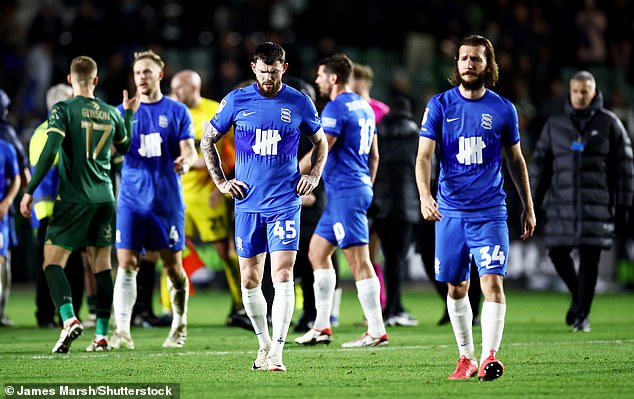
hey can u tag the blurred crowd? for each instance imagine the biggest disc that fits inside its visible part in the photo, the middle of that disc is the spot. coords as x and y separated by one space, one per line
408 43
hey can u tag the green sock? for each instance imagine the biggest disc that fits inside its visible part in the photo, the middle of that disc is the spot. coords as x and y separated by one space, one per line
102 326
105 289
60 291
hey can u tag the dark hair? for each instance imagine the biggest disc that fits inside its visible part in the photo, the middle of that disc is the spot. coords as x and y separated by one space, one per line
268 53
340 65
492 70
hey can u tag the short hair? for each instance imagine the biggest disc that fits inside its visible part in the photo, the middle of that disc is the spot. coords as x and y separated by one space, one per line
363 72
84 69
268 53
493 72
340 65
584 76
151 55
57 93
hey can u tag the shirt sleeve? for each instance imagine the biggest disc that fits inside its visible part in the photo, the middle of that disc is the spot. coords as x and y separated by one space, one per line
223 119
310 120
431 125
331 119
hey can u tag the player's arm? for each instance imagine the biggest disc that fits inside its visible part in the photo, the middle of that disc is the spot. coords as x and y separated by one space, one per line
233 187
44 164
130 106
318 156
373 158
187 157
519 173
428 205
305 162
11 193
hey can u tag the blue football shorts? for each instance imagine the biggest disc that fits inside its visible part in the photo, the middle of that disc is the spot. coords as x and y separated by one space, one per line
258 232
344 222
459 240
140 231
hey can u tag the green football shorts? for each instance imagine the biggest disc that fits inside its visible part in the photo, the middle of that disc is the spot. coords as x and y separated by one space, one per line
75 225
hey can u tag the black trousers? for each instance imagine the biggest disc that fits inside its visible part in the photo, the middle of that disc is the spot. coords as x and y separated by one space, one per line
396 237
580 285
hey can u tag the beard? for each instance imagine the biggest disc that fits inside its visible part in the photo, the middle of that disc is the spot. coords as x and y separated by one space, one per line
476 84
272 91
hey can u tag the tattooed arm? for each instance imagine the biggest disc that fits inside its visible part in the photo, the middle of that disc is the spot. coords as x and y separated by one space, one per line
235 188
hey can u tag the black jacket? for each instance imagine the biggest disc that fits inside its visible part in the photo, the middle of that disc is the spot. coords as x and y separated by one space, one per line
395 191
582 173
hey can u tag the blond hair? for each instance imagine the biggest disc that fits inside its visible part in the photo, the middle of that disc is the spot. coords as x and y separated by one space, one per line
149 54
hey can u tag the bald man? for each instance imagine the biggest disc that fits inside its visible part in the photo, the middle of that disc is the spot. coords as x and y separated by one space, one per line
207 212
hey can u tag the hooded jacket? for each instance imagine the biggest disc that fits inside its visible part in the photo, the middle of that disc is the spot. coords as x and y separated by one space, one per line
582 175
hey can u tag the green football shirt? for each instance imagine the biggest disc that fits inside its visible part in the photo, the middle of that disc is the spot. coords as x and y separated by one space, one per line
87 128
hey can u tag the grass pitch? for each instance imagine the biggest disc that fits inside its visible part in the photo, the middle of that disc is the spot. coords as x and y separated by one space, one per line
543 358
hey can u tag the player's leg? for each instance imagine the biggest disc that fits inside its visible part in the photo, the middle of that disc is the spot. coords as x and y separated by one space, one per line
69 229
251 246
321 249
5 270
283 304
130 237
179 296
489 243
251 272
452 266
283 232
368 292
99 260
55 258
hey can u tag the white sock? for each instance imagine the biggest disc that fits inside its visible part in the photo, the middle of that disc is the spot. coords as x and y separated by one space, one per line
369 291
124 298
336 303
492 321
461 317
255 306
324 286
179 298
282 314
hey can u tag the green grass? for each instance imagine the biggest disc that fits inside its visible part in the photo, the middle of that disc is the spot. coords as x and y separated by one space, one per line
542 357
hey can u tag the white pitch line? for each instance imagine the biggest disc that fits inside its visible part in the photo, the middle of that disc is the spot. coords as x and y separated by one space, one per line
316 349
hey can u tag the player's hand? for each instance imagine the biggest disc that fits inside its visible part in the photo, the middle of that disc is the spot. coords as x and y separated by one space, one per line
529 221
180 166
429 209
307 184
26 204
308 200
235 188
131 103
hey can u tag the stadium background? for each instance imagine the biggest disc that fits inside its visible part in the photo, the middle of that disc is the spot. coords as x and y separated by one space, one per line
408 43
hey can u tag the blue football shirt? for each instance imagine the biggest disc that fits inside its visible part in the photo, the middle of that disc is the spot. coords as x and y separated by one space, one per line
351 120
470 135
267 132
148 180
